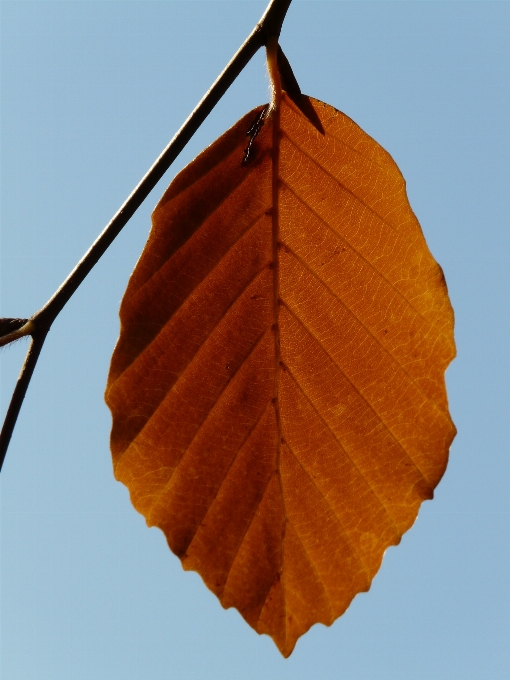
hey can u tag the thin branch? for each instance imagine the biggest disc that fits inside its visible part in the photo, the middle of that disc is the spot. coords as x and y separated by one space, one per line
19 393
8 326
269 25
23 327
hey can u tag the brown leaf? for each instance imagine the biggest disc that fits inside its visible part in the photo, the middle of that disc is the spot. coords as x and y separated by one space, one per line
277 391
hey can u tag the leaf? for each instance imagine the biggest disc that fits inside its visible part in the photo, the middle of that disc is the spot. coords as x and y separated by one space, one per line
277 391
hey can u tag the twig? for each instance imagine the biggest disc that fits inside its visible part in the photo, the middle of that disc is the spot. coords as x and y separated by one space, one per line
19 392
269 25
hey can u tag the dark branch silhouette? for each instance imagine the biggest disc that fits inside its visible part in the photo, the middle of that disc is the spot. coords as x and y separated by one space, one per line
40 323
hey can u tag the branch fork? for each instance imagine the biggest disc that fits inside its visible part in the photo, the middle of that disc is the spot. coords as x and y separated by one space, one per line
266 32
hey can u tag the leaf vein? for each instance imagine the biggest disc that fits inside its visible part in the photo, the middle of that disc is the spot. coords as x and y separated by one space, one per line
246 533
335 179
204 420
312 564
378 416
191 292
344 143
232 462
339 521
342 447
356 317
370 264
182 375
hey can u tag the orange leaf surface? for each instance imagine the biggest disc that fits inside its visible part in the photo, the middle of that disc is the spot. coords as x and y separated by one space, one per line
277 391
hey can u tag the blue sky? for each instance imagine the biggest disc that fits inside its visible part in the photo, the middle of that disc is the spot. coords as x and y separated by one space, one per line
91 93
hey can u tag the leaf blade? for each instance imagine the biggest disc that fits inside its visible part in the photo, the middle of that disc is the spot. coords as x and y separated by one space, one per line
277 392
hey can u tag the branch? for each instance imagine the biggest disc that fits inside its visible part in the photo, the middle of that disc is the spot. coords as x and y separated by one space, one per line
38 326
19 392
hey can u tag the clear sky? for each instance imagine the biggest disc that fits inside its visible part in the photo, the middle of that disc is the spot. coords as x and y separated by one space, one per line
91 93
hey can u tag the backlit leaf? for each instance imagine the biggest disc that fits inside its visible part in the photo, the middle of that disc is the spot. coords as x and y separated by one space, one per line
277 391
